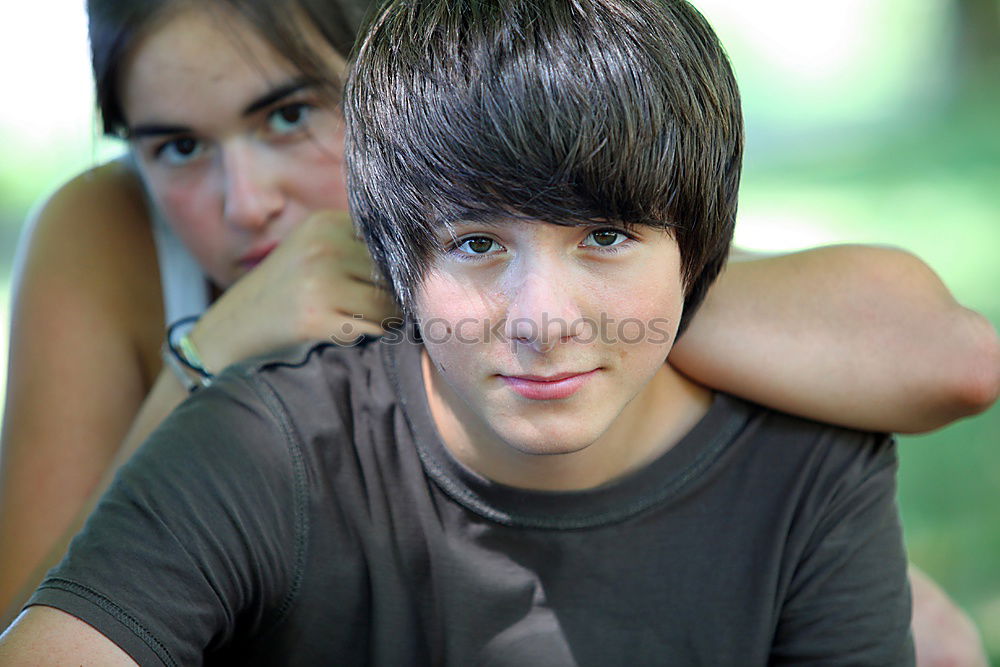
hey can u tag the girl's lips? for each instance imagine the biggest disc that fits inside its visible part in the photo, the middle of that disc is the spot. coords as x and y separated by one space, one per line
552 388
257 255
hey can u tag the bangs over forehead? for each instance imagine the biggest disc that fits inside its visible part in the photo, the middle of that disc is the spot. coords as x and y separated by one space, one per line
562 111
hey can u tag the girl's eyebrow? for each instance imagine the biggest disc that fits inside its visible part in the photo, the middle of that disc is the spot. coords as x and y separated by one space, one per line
152 130
276 94
279 93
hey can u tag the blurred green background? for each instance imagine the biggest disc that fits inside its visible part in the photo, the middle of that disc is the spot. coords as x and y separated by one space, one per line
868 120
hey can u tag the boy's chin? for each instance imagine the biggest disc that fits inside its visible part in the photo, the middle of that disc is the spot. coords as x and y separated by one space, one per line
552 441
549 447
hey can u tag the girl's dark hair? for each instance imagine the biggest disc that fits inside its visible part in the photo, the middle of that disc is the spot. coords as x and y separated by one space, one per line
564 111
115 25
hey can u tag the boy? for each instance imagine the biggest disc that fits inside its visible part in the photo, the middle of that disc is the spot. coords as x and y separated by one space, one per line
549 188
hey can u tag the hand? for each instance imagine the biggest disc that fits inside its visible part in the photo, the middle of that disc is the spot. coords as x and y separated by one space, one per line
316 285
943 633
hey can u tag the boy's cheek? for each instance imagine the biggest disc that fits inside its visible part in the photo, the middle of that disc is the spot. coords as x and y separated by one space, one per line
447 307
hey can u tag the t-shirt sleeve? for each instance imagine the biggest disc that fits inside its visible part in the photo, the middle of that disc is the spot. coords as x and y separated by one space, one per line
198 540
848 598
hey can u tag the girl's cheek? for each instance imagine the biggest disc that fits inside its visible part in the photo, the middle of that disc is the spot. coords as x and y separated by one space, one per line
322 183
187 207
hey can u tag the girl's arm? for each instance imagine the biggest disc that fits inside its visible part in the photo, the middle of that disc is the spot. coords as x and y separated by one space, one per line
85 383
861 336
86 301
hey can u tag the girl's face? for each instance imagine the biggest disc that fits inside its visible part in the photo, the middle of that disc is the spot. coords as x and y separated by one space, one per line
234 146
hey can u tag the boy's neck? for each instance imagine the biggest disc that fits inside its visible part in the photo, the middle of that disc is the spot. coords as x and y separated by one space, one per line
663 412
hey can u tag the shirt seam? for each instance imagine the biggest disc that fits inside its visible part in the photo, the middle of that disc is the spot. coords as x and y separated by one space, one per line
875 440
116 612
269 396
476 504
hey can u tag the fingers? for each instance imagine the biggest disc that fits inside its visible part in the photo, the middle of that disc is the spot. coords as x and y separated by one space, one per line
363 301
349 330
357 264
328 238
317 285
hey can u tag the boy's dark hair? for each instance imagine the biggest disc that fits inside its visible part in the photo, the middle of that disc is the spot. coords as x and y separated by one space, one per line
564 111
116 25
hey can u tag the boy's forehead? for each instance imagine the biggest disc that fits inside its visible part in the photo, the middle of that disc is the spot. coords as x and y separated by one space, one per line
501 221
500 225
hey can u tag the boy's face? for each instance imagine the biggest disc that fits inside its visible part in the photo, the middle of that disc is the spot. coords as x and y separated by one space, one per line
540 336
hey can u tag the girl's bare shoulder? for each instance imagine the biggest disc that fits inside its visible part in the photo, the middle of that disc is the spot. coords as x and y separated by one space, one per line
92 241
102 205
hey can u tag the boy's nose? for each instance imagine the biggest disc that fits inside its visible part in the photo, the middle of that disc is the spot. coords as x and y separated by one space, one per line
543 312
252 196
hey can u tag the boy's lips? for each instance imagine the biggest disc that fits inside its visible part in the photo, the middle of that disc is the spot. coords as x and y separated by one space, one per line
551 387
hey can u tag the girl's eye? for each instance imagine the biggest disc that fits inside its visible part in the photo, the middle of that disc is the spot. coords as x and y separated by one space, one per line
289 118
605 238
477 245
180 151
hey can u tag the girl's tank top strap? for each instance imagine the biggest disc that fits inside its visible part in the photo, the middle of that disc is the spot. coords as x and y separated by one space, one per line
185 286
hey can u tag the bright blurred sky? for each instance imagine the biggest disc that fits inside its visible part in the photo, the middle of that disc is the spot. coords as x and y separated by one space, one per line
845 61
47 122
43 51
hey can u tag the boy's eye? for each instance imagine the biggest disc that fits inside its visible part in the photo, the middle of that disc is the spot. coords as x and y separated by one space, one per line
180 151
605 238
477 245
289 118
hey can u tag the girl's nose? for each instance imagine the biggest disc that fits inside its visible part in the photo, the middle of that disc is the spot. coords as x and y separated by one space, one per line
252 196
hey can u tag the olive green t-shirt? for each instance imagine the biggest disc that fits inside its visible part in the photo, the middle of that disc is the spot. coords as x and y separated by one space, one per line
303 511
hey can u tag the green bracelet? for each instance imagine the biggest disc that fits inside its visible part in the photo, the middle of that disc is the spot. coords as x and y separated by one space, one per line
183 357
189 354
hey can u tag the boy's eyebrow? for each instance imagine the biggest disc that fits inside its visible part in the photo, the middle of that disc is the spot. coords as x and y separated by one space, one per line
267 99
